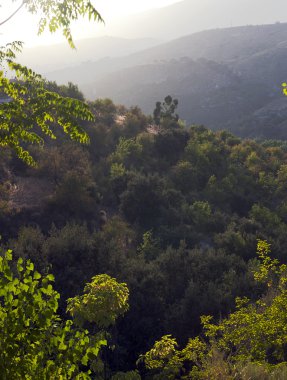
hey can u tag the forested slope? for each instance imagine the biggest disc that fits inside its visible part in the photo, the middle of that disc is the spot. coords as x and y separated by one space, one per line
174 212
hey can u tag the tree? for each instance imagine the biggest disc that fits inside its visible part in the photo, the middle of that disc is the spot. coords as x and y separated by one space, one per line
165 112
31 110
103 301
257 331
142 202
250 343
34 342
58 15
71 90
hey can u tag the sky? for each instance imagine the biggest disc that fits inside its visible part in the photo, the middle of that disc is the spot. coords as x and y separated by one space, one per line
24 26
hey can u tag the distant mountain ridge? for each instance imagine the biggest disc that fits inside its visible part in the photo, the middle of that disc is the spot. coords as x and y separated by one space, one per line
224 78
61 56
221 77
220 45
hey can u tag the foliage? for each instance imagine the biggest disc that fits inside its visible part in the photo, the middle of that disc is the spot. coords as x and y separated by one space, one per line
69 91
184 209
31 110
214 191
168 362
165 112
150 246
30 105
254 333
56 15
142 190
61 162
131 375
35 342
127 152
105 111
104 299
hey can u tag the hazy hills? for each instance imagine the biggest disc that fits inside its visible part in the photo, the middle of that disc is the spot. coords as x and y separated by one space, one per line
140 31
221 45
61 56
209 93
223 78
227 78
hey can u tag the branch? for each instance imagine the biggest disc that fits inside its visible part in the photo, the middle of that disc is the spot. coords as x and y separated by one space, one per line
13 14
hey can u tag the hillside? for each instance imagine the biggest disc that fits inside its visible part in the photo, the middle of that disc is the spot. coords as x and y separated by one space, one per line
220 45
222 78
133 245
183 209
60 56
209 93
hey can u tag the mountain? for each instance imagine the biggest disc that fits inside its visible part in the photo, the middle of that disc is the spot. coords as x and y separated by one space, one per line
141 31
209 93
220 45
223 78
229 78
61 56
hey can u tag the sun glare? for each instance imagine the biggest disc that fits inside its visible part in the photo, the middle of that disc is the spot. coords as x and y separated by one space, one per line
115 8
24 26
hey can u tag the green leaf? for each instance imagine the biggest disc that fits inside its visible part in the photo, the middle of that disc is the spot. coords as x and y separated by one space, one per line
36 276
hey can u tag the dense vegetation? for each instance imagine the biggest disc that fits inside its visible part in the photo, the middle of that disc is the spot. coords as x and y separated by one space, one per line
173 212
249 344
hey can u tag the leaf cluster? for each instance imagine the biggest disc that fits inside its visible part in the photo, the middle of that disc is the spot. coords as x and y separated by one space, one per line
31 112
103 301
58 15
35 343
254 333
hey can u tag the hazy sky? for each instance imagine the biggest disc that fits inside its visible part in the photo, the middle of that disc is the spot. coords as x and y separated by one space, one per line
24 27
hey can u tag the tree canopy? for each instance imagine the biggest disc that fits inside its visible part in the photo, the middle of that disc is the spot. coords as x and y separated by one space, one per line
249 343
57 15
35 343
183 209
164 112
30 110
